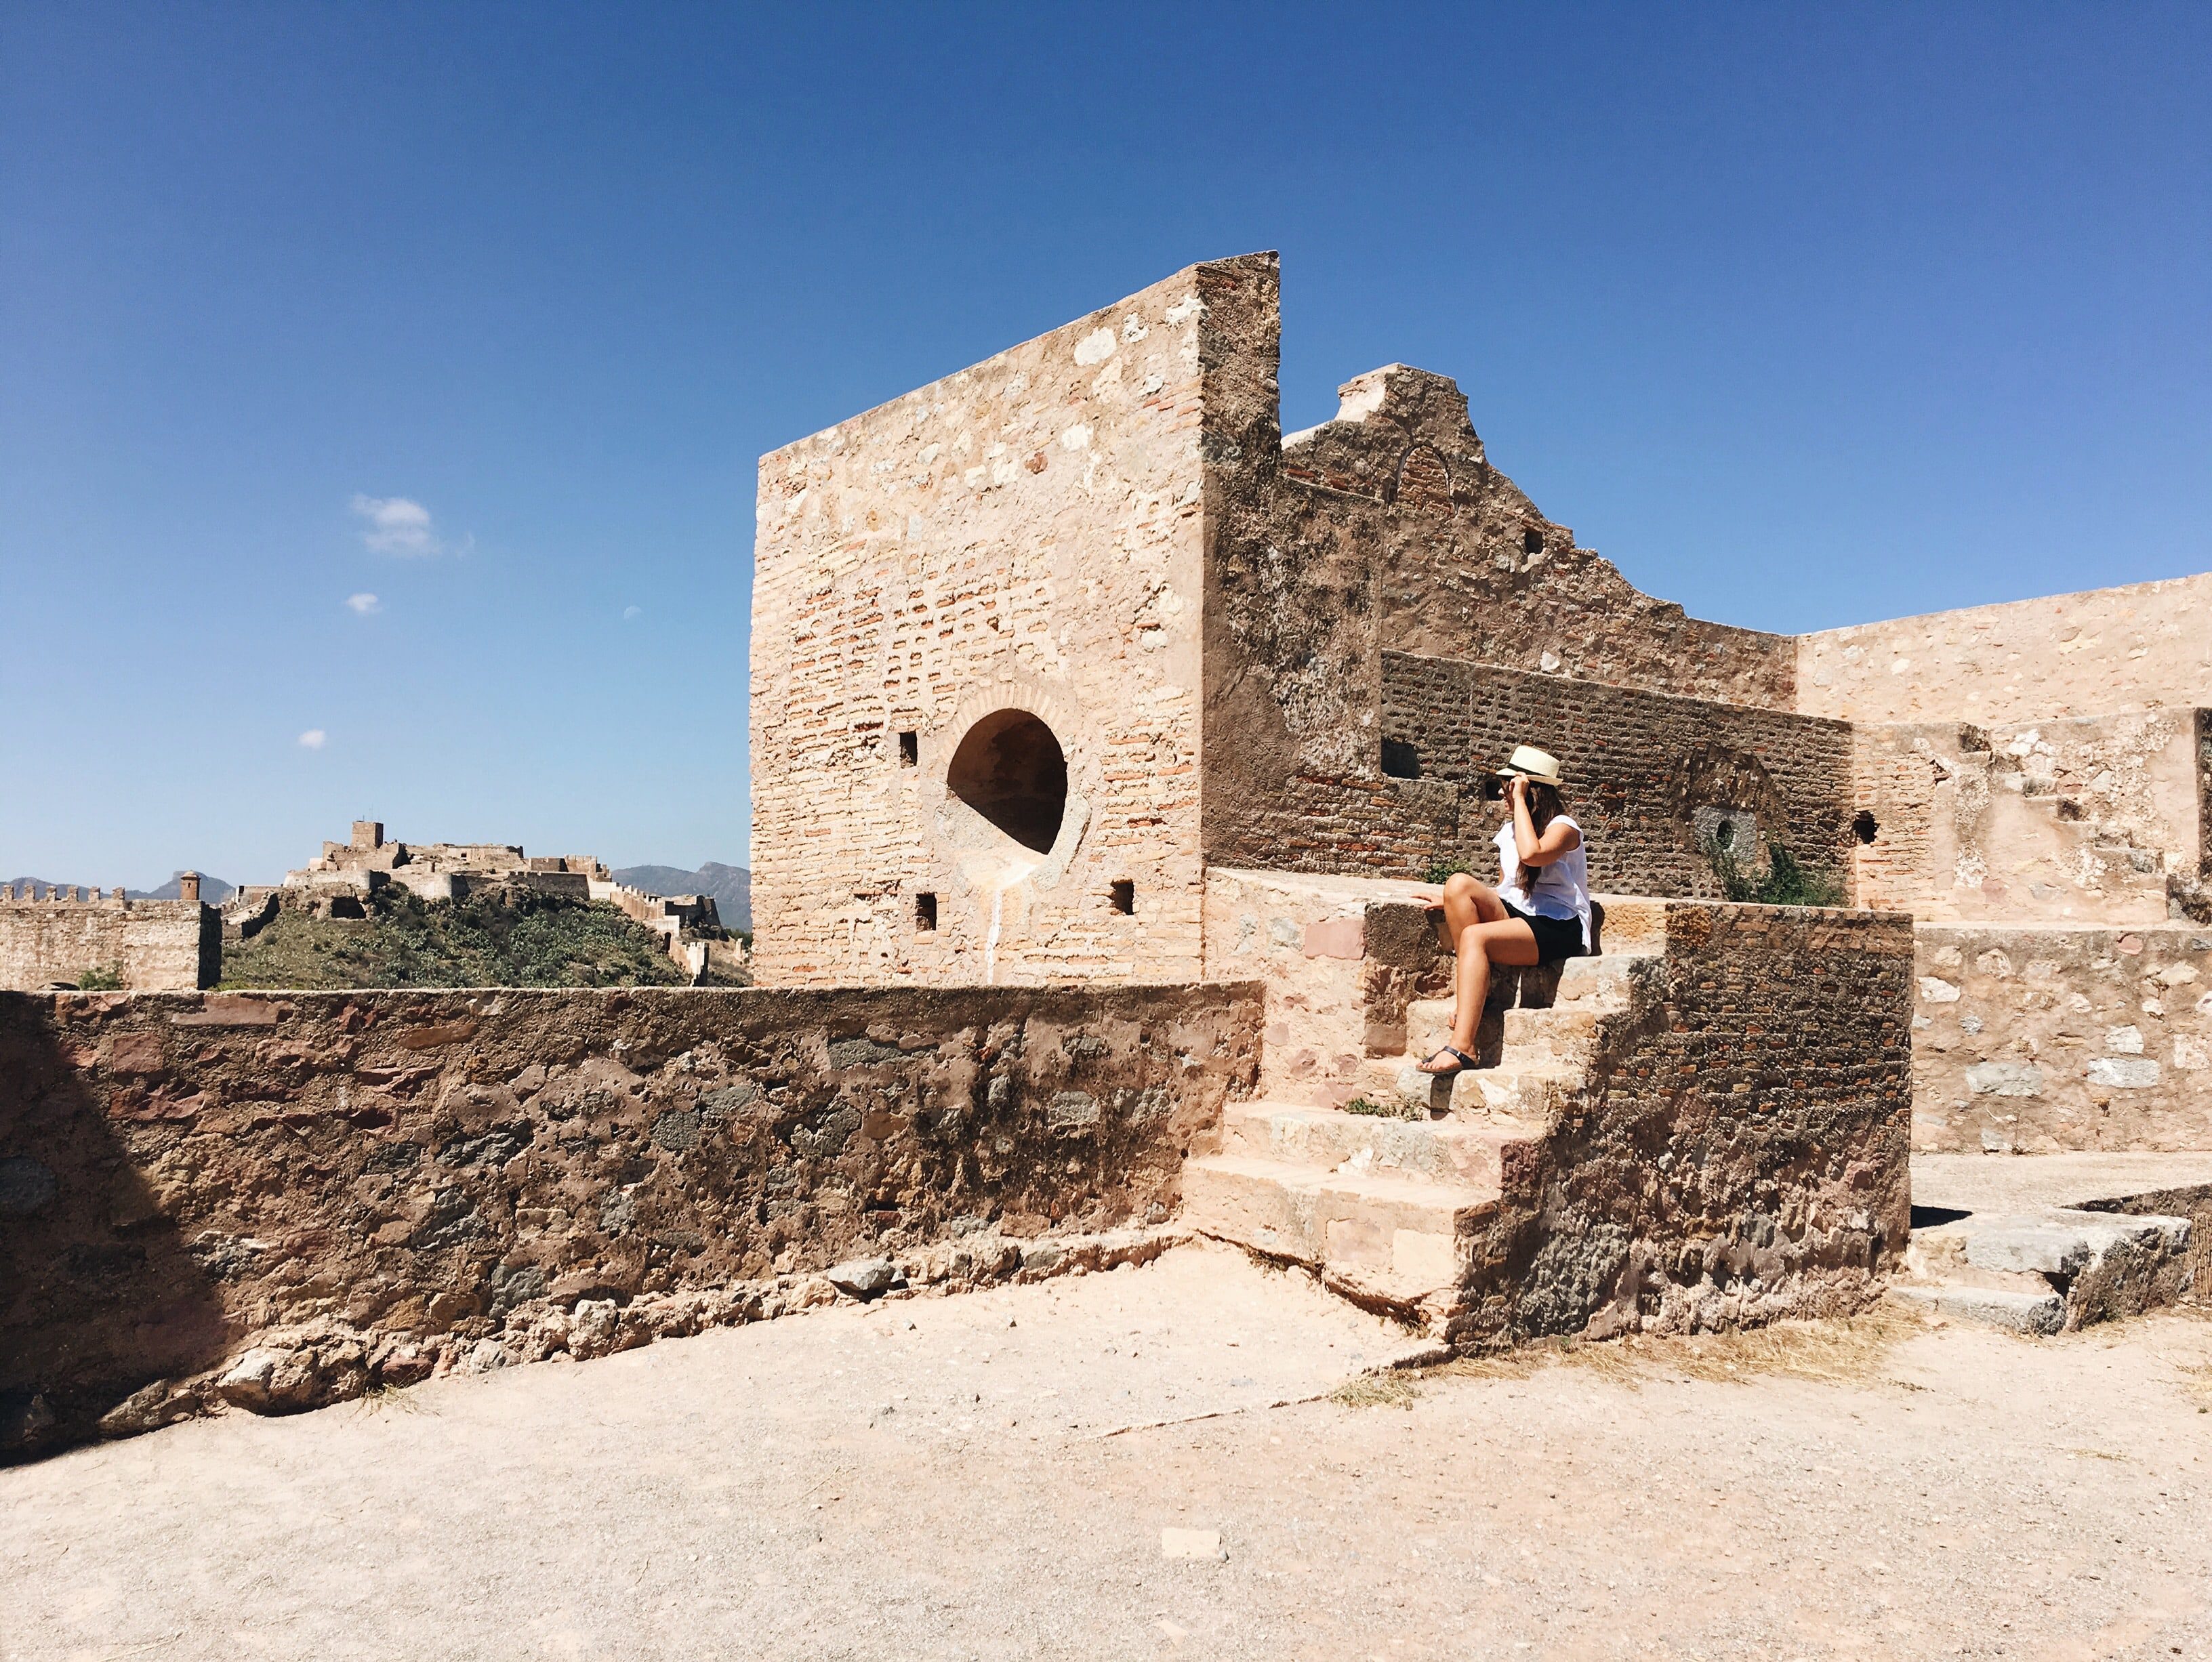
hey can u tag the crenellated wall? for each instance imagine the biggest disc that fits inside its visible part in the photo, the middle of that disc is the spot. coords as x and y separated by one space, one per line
271 1201
68 934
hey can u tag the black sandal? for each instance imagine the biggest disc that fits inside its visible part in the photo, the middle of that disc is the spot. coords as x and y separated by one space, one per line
1463 1063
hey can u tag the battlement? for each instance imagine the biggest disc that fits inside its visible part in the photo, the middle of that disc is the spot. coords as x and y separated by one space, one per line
72 936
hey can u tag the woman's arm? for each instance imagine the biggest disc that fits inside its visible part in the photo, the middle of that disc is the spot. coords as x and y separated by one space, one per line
1560 838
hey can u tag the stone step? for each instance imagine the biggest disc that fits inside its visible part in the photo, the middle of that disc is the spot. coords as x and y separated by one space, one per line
1526 1092
1989 1307
1395 1235
1563 1032
2010 1269
1449 1152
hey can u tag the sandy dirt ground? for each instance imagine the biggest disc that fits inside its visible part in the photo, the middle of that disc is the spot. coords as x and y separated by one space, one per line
949 1478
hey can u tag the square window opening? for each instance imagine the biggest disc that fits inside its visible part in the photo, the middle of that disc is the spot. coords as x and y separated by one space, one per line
1124 892
1401 760
909 749
925 912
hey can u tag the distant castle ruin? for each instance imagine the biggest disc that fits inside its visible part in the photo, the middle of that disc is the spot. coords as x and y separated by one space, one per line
71 939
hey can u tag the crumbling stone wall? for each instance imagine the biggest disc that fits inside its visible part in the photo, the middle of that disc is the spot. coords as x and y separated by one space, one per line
153 945
273 1201
1651 776
1740 1151
2095 818
2037 1040
2140 648
1387 531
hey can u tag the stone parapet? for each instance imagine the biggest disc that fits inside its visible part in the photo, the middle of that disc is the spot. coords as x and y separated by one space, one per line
273 1200
2140 648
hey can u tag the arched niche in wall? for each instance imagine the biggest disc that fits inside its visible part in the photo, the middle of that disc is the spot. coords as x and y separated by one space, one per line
1010 771
1424 481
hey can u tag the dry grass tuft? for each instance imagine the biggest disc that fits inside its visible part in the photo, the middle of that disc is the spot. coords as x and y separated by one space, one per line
398 1398
1841 1350
1391 1390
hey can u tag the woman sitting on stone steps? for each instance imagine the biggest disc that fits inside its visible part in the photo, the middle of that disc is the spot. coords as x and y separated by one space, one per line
1539 913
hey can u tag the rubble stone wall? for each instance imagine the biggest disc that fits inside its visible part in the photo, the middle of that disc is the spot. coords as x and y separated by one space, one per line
2093 818
152 945
1649 774
1740 1151
277 1200
2037 1041
2139 647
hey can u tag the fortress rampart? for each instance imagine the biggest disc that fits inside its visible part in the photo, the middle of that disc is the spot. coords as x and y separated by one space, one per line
68 935
326 1191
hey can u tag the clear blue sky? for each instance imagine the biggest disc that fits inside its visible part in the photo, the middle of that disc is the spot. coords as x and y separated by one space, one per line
1804 316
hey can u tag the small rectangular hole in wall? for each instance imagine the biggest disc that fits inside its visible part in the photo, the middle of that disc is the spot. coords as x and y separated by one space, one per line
909 749
1532 541
1401 760
1125 896
925 912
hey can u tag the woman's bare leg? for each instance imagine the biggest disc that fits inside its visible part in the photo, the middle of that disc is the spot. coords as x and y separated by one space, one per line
1480 931
1507 941
1466 902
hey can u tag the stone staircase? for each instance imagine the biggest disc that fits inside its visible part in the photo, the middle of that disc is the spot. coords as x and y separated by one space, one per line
1365 1169
2049 1270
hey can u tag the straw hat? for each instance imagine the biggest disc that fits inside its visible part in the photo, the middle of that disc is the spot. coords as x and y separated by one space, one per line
1539 765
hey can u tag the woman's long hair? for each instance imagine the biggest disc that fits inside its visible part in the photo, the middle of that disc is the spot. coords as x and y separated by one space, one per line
1543 807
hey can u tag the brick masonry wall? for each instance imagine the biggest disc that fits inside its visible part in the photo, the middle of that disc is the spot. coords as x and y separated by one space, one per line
1025 534
1740 1151
2040 1040
275 1201
161 946
1640 766
2139 647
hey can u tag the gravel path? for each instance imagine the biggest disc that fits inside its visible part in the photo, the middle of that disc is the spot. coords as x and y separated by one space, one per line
950 1478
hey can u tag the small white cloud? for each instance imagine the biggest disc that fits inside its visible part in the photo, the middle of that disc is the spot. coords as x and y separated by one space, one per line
401 526
312 738
364 604
631 614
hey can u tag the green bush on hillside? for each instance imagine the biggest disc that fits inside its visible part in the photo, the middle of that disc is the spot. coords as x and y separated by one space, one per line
498 938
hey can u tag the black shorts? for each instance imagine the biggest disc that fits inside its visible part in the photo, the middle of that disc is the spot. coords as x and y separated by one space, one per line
1556 937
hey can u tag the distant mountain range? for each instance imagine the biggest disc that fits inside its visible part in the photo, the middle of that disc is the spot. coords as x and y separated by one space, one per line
730 887
213 890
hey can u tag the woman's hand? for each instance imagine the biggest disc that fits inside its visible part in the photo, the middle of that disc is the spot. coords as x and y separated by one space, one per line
1516 790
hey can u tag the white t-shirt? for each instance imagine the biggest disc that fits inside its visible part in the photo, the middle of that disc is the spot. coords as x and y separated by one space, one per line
1561 890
